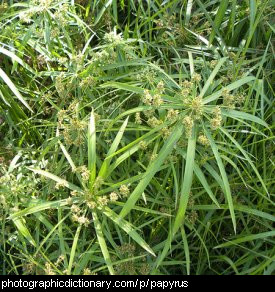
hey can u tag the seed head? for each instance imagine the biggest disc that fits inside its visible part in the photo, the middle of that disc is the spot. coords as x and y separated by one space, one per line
217 118
157 100
147 98
143 145
197 107
61 184
103 201
83 221
124 190
172 115
188 125
138 119
91 204
75 209
113 196
196 77
154 122
160 87
202 139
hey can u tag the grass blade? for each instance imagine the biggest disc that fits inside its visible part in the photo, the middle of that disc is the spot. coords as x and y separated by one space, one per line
102 243
105 165
151 170
92 149
13 88
24 230
128 228
56 178
212 76
224 177
247 238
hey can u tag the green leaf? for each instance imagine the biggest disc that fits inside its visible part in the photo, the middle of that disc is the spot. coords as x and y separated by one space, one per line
67 155
243 116
184 196
212 76
229 87
186 250
39 206
101 12
218 19
187 182
247 238
13 88
224 177
102 243
152 169
203 181
23 230
105 165
128 228
56 178
73 249
188 11
246 156
92 149
16 59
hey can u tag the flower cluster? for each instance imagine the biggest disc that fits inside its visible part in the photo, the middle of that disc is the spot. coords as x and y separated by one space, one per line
124 191
113 38
154 122
186 90
113 196
61 15
142 145
61 184
202 139
49 269
3 6
147 74
172 115
216 121
84 172
38 7
88 272
16 188
197 107
77 61
188 125
138 118
55 32
196 77
59 83
228 99
88 82
152 100
104 57
130 267
45 4
71 126
213 64
26 16
77 216
165 132
192 217
28 268
101 201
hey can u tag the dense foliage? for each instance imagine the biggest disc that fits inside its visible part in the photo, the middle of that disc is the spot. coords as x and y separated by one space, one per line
136 137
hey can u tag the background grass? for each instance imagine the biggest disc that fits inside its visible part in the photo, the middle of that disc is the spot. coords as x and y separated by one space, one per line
137 137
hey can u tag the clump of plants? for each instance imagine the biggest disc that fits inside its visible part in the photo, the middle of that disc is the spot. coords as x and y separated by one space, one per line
136 137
